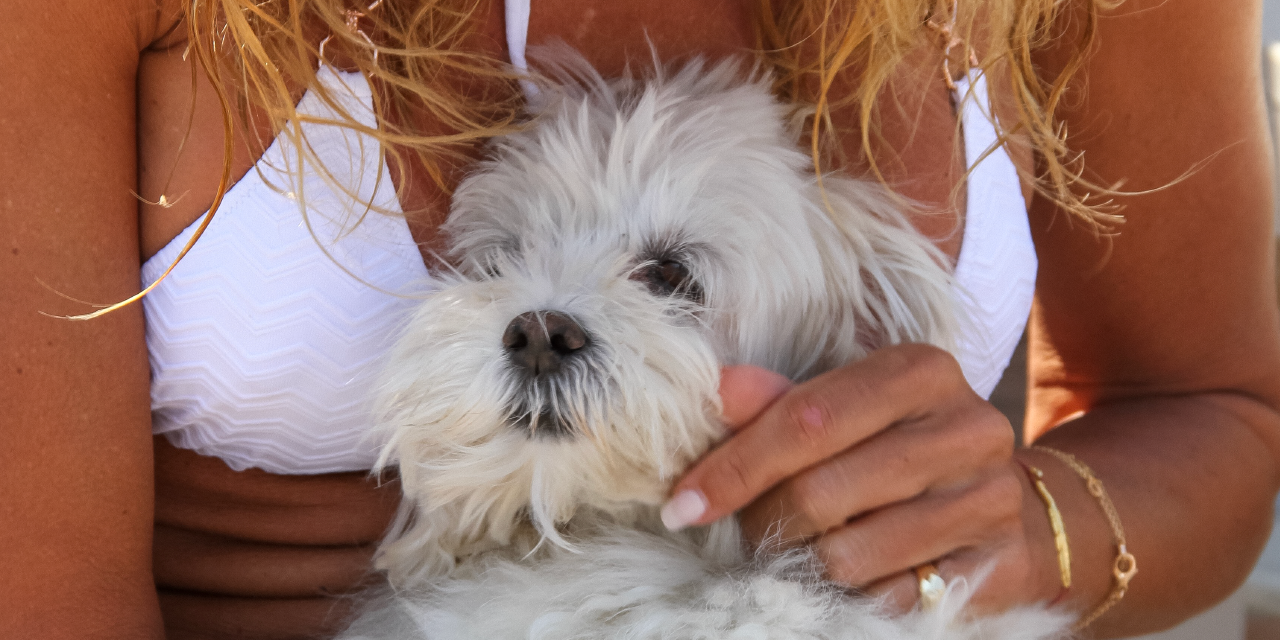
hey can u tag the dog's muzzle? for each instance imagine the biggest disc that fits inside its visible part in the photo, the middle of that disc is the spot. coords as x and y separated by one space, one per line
544 346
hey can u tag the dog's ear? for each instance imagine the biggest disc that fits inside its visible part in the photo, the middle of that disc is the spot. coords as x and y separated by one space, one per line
885 282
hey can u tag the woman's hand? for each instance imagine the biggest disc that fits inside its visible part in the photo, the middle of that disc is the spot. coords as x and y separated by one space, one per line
883 465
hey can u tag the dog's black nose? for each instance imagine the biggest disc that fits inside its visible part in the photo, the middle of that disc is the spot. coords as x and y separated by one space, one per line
539 341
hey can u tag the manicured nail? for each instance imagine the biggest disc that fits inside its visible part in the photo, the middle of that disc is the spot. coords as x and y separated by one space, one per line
684 509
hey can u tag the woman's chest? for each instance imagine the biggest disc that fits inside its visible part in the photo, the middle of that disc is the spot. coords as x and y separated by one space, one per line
180 136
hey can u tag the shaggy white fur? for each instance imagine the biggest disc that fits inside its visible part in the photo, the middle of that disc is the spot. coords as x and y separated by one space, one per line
673 226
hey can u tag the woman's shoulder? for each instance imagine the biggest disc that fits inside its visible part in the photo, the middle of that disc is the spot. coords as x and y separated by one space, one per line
1181 297
80 28
65 62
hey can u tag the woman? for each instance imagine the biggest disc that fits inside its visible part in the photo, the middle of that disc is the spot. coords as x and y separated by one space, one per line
1155 352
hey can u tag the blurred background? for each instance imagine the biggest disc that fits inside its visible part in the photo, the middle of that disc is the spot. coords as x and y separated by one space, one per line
1253 613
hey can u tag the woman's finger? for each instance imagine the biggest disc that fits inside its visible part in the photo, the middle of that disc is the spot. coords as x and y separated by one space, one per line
945 451
902 536
811 423
746 391
900 593
996 577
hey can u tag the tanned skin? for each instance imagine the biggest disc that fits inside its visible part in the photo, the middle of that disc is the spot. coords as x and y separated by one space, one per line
1166 336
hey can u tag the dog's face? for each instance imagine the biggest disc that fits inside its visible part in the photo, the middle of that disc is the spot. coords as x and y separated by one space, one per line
611 259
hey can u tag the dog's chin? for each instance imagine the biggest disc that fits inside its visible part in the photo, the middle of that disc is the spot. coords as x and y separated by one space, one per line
559 406
521 478
542 424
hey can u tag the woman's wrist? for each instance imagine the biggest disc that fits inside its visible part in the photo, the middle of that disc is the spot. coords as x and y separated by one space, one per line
1087 531
1045 574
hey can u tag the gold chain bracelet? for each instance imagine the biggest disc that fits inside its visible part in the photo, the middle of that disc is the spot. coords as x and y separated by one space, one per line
1125 565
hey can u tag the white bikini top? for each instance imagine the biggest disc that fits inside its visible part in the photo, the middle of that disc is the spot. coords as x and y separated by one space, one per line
265 339
263 344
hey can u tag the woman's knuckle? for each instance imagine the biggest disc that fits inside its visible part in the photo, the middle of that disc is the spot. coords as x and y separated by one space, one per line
737 472
1002 438
934 362
932 370
958 443
862 390
1010 528
839 559
992 425
1001 495
812 496
916 350
999 536
809 420
982 434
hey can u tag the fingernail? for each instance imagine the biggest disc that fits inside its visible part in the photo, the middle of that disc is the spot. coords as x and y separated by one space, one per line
683 509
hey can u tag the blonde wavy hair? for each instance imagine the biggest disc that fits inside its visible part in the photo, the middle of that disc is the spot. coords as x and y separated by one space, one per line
260 54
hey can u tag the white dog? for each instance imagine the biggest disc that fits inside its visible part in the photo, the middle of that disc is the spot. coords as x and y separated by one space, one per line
611 258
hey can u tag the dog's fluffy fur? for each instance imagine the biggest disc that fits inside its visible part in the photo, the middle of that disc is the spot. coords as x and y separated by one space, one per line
530 502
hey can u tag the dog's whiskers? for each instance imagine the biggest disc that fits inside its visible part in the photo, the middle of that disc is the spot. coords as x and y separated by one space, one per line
562 405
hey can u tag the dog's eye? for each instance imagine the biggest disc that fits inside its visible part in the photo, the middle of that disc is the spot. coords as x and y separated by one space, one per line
668 278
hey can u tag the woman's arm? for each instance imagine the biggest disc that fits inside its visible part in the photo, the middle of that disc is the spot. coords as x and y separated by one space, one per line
75 444
1166 336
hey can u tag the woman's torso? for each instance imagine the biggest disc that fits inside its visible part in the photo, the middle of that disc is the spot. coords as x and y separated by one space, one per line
255 550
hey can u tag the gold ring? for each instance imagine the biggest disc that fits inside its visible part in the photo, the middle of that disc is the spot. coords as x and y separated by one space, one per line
932 586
